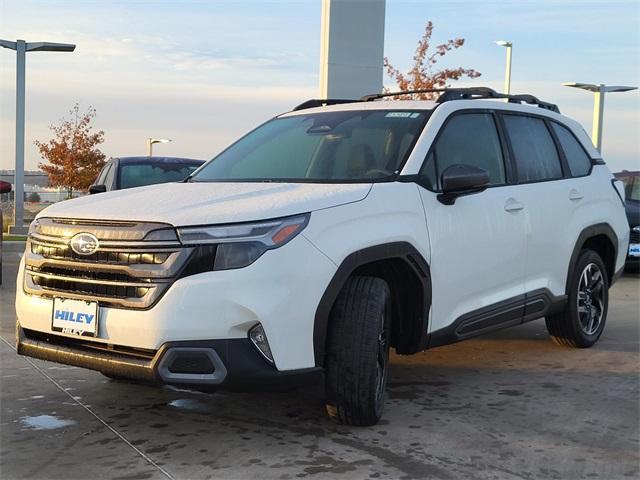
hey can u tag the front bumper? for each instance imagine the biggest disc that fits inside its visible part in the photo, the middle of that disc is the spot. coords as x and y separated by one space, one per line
201 364
281 291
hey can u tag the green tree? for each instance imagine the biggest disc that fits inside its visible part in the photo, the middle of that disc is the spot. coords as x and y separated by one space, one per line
33 197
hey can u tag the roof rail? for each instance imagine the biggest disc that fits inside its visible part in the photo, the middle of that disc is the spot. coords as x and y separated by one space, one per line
531 100
472 93
313 103
377 96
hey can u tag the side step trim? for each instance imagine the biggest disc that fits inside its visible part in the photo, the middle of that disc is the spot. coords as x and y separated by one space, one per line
507 313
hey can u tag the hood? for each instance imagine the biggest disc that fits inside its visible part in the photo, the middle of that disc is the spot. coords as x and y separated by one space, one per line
182 204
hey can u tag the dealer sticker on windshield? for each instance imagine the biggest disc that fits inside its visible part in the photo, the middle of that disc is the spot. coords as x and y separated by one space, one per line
634 250
76 317
403 114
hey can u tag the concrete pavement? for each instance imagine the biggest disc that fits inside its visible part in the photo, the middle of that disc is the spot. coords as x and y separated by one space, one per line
511 405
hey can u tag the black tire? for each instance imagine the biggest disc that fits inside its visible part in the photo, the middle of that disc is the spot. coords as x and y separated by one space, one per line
573 327
358 352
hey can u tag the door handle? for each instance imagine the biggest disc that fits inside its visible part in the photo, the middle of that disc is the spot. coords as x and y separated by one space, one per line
575 195
513 205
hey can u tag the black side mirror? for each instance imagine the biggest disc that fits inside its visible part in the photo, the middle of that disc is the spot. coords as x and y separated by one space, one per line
458 180
97 189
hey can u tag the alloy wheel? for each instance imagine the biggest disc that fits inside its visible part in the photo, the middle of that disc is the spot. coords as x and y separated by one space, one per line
591 297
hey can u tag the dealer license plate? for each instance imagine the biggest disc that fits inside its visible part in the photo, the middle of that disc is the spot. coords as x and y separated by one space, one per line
77 317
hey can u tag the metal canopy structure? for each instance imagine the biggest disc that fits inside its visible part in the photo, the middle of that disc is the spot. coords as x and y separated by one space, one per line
507 73
21 47
598 105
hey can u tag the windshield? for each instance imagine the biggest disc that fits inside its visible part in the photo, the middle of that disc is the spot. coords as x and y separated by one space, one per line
137 175
347 146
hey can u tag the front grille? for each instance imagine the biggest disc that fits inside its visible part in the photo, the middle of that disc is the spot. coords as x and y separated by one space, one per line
63 252
126 271
634 237
101 284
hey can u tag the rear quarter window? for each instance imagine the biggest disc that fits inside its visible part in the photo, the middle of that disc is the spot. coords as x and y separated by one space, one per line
578 160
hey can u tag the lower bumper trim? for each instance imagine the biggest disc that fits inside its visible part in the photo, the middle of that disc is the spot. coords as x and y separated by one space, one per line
237 364
109 363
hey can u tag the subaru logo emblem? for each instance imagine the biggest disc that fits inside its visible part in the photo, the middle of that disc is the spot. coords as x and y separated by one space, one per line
84 243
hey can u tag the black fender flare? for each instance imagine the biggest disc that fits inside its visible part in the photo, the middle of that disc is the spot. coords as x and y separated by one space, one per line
586 234
395 250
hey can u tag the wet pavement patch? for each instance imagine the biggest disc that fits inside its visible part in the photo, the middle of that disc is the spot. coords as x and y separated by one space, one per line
45 422
189 404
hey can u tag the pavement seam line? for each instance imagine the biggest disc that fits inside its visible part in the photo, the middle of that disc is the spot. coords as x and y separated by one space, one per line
115 432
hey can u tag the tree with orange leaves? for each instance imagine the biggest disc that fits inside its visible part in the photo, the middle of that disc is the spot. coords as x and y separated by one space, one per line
74 160
423 74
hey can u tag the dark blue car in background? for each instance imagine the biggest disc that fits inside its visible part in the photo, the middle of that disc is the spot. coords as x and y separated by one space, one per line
631 182
128 172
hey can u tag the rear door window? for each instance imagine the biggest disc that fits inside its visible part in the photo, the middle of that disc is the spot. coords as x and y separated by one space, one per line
535 151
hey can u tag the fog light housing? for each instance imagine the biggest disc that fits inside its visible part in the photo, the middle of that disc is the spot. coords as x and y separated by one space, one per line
259 340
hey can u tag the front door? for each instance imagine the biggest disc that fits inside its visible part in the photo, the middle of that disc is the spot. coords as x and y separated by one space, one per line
478 243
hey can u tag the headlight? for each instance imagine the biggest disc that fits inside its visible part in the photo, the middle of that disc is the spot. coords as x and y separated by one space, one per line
241 244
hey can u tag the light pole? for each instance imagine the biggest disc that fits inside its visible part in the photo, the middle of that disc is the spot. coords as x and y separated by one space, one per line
598 106
21 47
507 73
151 141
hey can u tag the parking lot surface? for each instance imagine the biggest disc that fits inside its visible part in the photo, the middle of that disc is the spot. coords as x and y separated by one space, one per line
510 405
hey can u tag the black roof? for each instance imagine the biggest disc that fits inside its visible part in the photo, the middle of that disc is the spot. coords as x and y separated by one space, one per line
156 160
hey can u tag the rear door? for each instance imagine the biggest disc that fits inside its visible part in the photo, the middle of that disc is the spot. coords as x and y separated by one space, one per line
550 199
477 244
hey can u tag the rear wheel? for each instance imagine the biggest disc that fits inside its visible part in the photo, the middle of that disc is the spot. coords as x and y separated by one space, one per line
582 321
358 352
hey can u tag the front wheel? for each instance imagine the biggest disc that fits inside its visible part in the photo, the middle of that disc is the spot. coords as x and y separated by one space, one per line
358 352
582 321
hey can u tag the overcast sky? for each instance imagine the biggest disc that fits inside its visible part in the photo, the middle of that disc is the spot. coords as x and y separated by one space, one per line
204 72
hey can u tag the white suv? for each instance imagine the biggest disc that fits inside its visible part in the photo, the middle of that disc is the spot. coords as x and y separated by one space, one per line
326 236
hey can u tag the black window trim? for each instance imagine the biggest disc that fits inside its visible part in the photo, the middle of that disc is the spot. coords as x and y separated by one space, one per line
506 154
115 185
566 169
